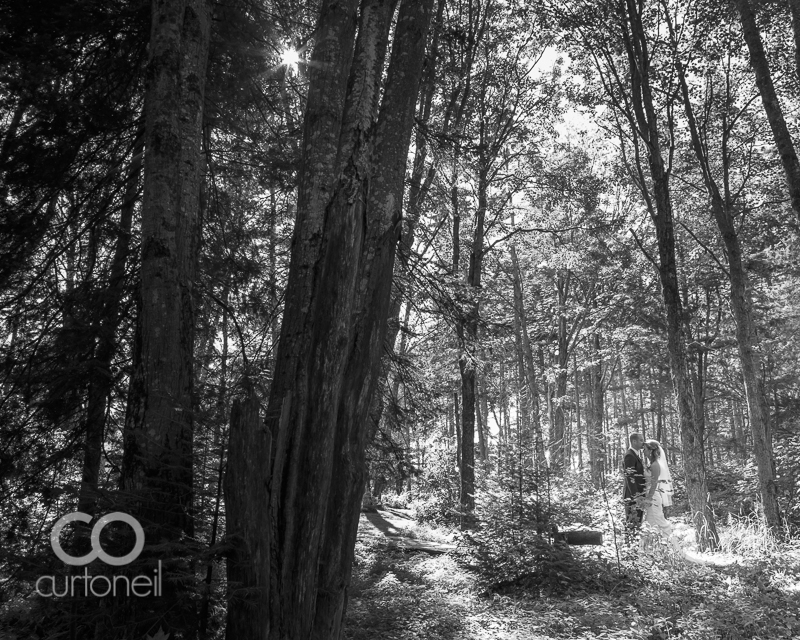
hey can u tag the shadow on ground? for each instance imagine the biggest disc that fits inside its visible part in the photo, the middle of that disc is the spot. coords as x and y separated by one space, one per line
394 595
383 525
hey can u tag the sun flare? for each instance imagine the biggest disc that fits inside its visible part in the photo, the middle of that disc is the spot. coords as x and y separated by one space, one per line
290 58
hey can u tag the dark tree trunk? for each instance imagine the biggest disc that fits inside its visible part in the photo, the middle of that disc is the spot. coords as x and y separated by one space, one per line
769 98
660 434
157 463
247 524
419 185
456 224
480 417
457 425
523 399
596 439
372 302
338 297
468 335
467 492
316 333
559 448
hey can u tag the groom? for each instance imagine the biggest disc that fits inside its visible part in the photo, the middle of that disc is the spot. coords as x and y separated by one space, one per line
634 486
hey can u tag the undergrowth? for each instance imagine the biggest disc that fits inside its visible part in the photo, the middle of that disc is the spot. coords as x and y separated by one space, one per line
575 593
509 581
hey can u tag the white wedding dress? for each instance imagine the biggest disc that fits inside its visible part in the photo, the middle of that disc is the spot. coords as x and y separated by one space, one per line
654 523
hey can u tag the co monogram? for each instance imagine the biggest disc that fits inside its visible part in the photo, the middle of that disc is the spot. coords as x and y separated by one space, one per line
97 551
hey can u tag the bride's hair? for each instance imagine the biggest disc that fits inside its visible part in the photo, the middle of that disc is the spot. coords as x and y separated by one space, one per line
653 449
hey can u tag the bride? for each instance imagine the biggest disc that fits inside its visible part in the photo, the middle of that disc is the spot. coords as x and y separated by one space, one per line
658 494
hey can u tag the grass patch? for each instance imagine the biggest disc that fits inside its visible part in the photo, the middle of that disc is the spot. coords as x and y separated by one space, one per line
747 536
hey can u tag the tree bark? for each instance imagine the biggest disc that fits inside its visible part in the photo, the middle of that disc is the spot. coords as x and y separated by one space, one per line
371 310
481 416
419 185
334 325
247 524
769 98
157 461
559 448
468 336
523 399
596 438
316 333
328 72
457 425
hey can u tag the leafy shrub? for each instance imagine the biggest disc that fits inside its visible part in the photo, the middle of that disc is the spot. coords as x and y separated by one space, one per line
395 500
434 498
523 559
733 487
511 546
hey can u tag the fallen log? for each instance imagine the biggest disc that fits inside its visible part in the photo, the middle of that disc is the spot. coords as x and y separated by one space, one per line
578 537
410 544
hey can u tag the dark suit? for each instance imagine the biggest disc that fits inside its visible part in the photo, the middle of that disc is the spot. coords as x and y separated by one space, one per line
634 487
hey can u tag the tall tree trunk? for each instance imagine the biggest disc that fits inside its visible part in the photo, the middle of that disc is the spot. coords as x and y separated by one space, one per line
456 219
272 286
316 332
468 335
548 398
769 98
660 434
457 425
467 492
521 326
660 207
372 302
334 325
523 395
596 439
247 524
742 305
741 439
578 424
419 185
467 324
218 443
559 449
157 463
481 416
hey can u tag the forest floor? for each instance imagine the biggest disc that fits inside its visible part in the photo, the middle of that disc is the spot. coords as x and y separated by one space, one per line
401 593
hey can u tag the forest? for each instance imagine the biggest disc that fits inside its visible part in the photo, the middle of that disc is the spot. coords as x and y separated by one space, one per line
335 319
